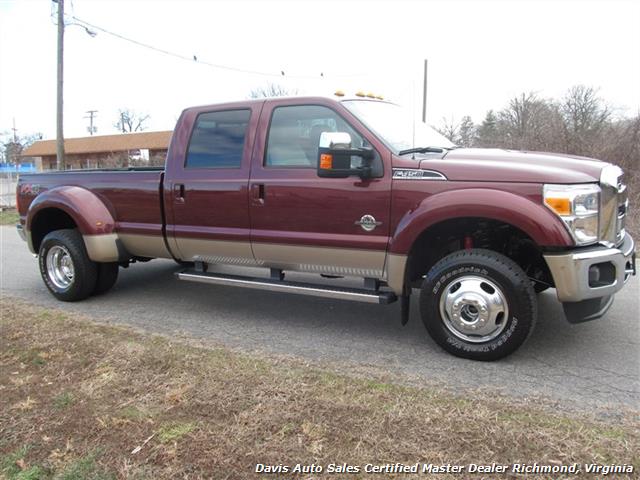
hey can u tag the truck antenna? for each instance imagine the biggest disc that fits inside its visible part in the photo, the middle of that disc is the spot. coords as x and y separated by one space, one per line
413 116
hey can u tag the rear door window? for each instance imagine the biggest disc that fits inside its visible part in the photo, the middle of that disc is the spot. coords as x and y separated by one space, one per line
218 139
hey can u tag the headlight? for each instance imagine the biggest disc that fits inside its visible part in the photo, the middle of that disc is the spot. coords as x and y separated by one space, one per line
578 206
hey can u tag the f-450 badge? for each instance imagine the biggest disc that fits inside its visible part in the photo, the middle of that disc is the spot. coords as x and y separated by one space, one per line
368 223
30 189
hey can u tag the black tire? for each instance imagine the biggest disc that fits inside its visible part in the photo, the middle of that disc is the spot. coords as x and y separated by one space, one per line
540 287
70 246
107 276
486 269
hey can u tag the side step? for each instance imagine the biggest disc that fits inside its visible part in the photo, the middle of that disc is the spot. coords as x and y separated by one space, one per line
358 295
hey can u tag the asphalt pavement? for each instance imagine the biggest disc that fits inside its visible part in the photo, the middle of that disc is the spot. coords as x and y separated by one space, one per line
593 366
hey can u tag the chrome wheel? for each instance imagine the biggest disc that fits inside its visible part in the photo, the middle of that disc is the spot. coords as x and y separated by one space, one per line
60 267
474 309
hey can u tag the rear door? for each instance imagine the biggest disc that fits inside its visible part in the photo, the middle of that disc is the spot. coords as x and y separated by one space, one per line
301 221
206 187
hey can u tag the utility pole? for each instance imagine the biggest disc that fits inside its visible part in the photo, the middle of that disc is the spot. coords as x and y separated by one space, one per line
59 131
92 114
122 122
424 94
15 131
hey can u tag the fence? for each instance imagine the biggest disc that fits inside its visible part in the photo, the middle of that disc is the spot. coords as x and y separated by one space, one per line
9 180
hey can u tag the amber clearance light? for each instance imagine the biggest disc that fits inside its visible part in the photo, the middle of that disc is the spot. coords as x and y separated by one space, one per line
326 161
562 206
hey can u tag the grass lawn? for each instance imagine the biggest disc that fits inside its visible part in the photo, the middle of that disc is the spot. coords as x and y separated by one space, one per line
9 217
81 400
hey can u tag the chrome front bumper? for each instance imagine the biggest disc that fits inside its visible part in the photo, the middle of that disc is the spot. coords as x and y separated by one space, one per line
570 270
586 279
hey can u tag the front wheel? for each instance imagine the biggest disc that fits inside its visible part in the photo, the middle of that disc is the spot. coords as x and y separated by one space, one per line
478 304
66 269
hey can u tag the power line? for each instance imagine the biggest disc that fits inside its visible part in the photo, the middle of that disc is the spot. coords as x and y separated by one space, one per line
194 58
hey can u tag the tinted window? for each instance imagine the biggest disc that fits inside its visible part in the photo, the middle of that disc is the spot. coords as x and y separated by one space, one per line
217 140
295 131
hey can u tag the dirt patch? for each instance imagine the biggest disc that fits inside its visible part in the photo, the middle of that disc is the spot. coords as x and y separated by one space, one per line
83 400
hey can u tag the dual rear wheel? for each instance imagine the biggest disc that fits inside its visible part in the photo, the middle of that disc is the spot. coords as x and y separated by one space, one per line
475 304
68 272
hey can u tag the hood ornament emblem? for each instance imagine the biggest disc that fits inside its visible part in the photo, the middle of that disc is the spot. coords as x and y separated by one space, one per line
368 223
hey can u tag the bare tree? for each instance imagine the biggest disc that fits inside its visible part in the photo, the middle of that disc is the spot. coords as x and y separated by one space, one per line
580 123
272 90
11 146
529 123
585 118
450 129
130 121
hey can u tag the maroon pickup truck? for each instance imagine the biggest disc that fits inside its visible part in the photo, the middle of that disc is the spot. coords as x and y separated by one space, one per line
349 188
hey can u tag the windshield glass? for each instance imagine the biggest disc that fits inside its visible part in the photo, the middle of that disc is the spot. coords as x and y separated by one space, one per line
394 125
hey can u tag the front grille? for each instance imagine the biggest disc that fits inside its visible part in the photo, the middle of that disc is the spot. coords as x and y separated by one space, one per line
613 205
623 206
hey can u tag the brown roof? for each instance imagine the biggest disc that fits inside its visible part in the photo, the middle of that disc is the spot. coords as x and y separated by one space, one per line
102 143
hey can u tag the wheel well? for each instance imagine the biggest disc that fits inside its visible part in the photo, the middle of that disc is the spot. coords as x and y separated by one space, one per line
46 221
449 236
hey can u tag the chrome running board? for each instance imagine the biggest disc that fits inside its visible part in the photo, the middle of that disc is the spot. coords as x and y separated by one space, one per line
358 295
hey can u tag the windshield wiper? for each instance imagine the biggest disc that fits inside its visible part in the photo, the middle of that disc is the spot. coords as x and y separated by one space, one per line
424 150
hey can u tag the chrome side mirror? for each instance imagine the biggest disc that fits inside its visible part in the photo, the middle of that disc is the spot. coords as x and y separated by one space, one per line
335 140
336 157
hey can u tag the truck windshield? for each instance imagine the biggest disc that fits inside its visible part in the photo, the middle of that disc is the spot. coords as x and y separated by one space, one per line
394 125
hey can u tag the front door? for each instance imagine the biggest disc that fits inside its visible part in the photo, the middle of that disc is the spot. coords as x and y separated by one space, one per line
300 221
207 197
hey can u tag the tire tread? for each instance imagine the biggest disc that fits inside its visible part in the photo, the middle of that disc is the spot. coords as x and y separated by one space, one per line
501 264
86 272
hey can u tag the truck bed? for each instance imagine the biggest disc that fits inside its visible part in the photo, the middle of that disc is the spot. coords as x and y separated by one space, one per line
132 195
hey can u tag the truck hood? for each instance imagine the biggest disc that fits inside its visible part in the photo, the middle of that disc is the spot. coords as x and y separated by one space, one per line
492 164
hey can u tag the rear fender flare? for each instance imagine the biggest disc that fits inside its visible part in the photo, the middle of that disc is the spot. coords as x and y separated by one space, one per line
91 216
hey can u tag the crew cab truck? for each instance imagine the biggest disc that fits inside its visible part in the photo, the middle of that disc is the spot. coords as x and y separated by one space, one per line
347 187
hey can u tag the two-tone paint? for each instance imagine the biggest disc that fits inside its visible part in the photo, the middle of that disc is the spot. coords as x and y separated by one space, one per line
289 218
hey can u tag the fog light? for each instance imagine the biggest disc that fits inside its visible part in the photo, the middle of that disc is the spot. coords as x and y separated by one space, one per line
602 274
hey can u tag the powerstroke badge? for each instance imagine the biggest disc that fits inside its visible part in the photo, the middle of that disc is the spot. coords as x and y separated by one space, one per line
416 174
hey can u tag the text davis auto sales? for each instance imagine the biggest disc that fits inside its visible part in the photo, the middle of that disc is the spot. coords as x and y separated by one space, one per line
430 468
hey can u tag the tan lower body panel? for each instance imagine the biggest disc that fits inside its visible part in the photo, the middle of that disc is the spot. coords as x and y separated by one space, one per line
215 251
102 248
395 272
29 238
144 245
337 261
